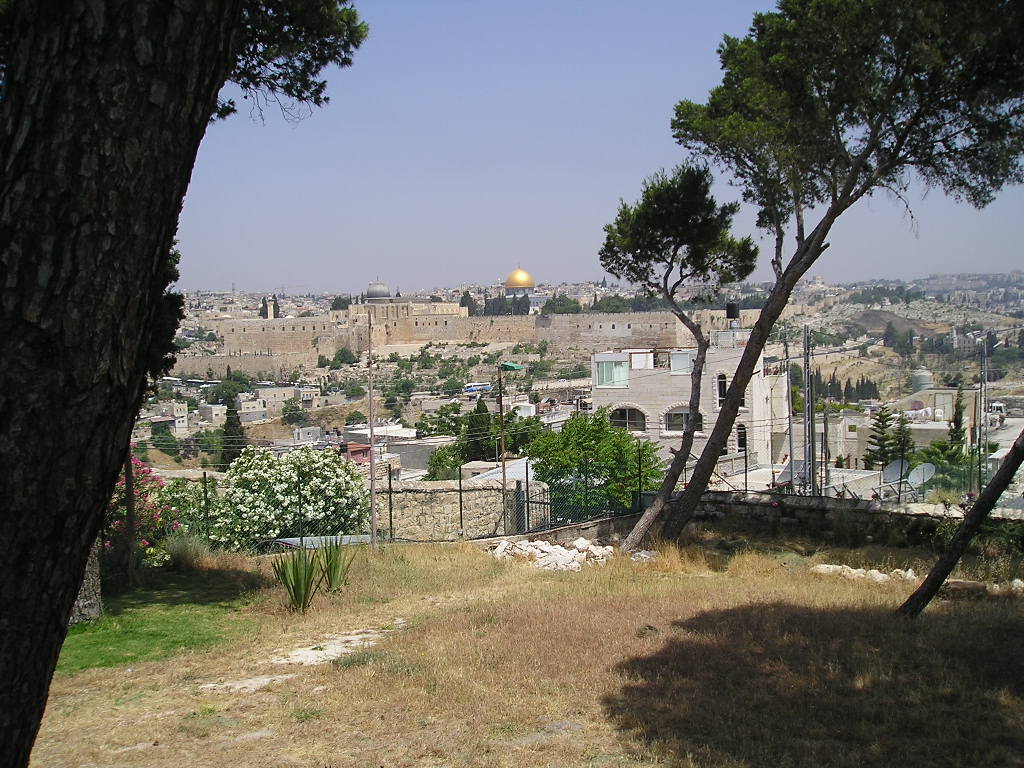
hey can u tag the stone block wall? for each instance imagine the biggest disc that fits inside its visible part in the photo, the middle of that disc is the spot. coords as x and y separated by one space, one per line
429 510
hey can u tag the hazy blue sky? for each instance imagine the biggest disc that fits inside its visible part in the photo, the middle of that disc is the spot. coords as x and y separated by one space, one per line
470 137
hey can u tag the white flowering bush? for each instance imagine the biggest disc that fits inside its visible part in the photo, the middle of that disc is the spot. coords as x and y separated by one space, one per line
261 497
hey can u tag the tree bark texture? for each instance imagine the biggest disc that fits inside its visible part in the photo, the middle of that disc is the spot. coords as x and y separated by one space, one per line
680 512
681 457
923 595
102 113
89 601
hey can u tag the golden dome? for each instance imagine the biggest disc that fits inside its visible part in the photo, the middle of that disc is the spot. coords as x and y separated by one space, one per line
519 279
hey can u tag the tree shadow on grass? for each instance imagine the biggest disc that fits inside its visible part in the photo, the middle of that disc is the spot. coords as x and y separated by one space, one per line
785 685
214 587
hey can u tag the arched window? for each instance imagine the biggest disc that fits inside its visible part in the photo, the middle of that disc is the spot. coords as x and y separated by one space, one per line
722 387
741 438
629 418
675 420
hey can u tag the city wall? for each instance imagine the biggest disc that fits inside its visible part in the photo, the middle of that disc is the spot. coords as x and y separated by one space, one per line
297 342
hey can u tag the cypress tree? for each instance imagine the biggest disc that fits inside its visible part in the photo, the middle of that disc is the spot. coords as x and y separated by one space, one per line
957 431
234 438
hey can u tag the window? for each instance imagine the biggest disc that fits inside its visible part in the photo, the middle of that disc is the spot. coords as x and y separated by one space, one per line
675 420
612 373
722 387
640 360
851 427
682 362
629 418
741 438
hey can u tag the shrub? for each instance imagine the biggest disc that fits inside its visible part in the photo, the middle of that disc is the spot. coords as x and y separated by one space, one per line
261 500
300 575
187 551
154 518
335 561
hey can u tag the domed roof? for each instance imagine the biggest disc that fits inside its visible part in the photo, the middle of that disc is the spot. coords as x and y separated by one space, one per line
520 278
378 291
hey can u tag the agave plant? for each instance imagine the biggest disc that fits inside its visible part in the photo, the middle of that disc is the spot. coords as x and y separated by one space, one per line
334 565
300 574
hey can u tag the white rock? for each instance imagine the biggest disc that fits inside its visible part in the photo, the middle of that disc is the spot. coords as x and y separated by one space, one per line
581 544
826 569
499 551
643 554
877 576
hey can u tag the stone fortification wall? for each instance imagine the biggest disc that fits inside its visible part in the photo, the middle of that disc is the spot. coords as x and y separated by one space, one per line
272 366
280 336
429 511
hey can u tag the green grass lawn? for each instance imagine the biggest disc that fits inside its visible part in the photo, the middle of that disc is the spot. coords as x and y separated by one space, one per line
171 612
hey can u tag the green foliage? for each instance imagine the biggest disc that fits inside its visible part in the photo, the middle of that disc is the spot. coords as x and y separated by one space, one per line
825 101
957 430
343 356
880 294
614 303
284 47
574 371
335 562
471 304
561 305
354 390
341 302
300 574
444 463
229 388
677 236
880 441
446 420
589 450
163 440
355 417
303 492
292 412
232 439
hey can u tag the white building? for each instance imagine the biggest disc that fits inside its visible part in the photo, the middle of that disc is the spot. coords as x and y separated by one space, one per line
648 392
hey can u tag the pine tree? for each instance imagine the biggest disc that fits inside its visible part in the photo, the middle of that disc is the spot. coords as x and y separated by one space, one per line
880 440
902 441
849 394
233 440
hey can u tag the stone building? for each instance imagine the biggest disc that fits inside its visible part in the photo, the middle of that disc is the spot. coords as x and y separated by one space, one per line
648 392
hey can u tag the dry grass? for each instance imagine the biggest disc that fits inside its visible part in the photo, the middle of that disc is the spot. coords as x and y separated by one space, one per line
757 663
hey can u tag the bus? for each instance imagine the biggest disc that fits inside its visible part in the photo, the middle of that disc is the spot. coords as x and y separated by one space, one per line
476 386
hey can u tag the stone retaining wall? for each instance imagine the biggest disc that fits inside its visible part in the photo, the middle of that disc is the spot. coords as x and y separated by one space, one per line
429 510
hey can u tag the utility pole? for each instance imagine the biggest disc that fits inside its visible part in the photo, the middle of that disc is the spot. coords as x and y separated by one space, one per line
810 481
789 412
824 447
501 438
373 458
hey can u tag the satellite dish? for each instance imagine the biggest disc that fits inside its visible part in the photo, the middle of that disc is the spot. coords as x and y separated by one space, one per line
894 470
921 474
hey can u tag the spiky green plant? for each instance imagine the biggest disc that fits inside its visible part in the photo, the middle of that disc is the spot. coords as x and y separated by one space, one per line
300 574
334 564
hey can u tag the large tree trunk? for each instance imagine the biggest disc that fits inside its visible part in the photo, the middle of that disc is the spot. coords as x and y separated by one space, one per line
681 456
923 595
104 105
680 512
89 601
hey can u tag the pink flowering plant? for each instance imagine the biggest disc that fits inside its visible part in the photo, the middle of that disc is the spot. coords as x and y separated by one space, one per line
154 518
